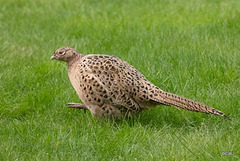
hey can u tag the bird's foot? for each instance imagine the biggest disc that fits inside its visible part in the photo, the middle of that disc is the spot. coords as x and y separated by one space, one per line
77 105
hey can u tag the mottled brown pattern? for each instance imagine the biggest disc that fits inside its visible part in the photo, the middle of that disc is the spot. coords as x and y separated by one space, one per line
110 87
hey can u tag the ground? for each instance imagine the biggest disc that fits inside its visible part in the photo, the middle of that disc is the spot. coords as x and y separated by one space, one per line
187 47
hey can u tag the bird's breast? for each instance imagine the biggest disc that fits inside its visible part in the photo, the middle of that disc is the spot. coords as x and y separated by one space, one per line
74 76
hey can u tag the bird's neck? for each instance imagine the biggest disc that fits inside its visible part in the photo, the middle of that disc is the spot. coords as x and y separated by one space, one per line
74 59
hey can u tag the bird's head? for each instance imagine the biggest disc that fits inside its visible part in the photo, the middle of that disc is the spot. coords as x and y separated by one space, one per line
64 54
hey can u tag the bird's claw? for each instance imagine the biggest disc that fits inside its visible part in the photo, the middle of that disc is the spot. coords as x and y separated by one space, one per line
78 106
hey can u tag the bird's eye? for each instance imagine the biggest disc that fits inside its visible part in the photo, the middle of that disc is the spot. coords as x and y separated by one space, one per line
61 52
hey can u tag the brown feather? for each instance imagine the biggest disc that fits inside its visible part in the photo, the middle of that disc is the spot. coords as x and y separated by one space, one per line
185 103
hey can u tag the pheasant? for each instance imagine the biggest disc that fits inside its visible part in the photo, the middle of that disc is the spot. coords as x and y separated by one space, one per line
111 88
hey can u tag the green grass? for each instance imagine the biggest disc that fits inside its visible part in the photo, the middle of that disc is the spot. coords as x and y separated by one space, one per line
188 47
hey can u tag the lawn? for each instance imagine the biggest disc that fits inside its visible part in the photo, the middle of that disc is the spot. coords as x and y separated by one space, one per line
187 47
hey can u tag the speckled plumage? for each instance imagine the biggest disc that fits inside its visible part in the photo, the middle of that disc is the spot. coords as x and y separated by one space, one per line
110 87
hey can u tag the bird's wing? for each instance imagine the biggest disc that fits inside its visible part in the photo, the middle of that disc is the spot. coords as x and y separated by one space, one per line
116 81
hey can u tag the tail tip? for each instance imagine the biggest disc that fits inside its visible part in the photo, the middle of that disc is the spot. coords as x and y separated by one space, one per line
227 117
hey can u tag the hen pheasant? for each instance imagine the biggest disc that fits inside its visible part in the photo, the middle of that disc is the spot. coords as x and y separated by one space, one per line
110 87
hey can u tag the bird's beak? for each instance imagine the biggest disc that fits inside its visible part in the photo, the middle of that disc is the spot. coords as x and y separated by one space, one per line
53 57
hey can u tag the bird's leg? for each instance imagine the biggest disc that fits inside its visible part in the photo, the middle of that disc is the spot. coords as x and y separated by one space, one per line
77 105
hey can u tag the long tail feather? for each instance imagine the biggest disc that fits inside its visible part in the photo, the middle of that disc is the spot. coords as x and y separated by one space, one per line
185 103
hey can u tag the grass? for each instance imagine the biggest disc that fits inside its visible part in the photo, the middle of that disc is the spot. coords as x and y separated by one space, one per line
188 47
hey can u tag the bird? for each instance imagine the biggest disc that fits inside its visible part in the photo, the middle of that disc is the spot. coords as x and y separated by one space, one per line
111 88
